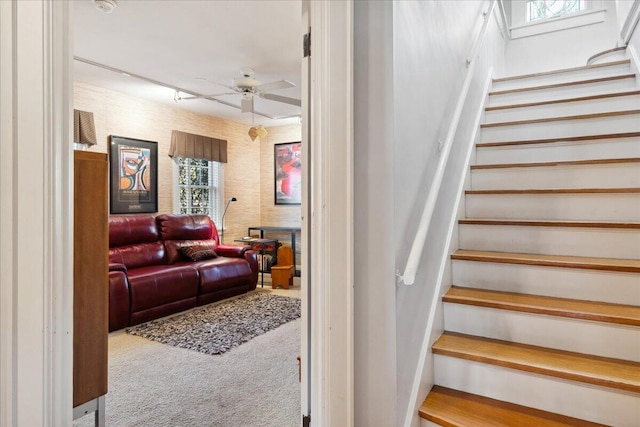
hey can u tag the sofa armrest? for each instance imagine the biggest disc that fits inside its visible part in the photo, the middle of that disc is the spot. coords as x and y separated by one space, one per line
232 250
113 266
119 300
252 258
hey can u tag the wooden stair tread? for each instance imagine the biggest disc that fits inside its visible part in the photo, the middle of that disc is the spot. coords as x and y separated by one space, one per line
600 371
563 139
605 53
454 408
561 118
564 70
630 190
566 84
564 100
561 307
589 263
550 223
561 163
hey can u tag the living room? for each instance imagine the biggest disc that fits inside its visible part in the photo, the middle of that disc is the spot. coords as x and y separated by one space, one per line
128 99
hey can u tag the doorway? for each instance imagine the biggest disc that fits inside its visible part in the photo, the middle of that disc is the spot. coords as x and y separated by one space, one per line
331 378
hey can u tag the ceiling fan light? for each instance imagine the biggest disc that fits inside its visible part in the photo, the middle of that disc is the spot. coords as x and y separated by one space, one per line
261 131
257 131
253 134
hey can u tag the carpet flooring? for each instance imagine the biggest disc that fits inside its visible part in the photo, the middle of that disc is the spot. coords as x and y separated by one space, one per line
217 328
156 385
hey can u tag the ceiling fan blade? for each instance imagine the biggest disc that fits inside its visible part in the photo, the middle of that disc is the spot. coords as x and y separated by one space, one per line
246 105
207 96
279 98
257 113
224 102
216 83
270 87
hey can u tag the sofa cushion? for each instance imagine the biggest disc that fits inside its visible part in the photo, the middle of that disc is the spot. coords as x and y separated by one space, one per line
131 229
158 285
197 252
221 273
186 227
139 255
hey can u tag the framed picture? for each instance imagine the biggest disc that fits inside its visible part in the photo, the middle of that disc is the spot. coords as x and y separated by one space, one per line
134 175
288 173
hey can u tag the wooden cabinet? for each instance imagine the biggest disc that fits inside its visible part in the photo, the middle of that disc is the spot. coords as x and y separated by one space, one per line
90 277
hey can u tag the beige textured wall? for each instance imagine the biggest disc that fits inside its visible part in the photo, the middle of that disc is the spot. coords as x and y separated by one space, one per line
270 213
123 115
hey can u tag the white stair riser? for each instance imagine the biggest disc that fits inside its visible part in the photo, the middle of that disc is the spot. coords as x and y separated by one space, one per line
569 76
562 92
581 336
425 423
570 207
572 241
617 175
545 111
619 288
562 129
592 403
614 148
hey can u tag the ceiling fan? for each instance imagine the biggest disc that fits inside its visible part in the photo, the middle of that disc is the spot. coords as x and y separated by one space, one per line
249 87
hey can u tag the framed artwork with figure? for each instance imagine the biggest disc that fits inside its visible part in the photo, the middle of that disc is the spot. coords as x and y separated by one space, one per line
134 175
288 173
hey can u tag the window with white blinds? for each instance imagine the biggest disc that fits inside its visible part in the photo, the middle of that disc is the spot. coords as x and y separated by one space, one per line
199 187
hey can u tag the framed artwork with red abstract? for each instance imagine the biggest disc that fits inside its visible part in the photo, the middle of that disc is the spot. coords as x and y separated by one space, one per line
134 175
288 173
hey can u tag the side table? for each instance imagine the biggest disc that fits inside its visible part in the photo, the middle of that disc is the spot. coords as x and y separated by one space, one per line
262 245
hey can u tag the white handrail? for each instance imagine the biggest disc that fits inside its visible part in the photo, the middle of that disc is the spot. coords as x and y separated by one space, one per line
503 15
420 239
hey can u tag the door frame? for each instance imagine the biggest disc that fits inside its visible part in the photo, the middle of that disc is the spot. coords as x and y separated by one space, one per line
36 229
36 338
330 212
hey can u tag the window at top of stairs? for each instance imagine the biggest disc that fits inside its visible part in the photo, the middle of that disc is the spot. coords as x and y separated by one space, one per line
545 9
533 17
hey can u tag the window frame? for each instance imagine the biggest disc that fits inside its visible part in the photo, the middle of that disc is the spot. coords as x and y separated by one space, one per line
582 4
594 12
214 214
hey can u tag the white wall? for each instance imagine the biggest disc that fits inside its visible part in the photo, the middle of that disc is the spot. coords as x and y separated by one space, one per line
559 49
431 42
374 291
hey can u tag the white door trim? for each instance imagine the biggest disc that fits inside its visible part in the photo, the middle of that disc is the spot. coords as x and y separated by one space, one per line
305 329
36 214
331 213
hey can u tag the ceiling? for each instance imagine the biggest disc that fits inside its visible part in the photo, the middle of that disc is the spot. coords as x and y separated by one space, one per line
191 44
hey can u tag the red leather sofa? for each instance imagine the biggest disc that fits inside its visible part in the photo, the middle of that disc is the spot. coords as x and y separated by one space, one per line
150 277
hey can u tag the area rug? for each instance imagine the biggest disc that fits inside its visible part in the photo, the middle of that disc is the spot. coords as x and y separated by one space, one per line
217 328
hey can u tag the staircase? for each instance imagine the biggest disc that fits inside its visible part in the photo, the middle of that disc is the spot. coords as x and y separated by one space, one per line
543 319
